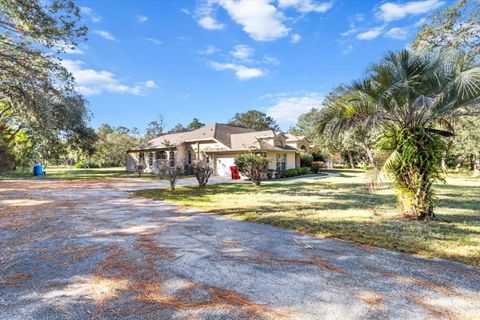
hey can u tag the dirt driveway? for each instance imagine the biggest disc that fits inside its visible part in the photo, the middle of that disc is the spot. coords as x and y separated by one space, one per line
89 249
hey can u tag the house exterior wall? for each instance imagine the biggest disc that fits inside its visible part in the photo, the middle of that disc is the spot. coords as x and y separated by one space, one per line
131 161
272 163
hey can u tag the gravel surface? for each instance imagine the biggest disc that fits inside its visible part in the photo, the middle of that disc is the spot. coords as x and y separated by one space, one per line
91 250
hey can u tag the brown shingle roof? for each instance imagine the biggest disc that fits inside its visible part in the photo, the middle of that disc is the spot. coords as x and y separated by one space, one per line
214 131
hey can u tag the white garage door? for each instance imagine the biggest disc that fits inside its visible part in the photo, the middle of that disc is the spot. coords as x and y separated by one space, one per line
223 166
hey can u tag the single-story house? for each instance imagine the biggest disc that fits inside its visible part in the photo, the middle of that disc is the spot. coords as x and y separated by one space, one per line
217 144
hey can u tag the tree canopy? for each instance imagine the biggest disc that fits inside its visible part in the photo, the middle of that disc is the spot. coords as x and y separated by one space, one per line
254 119
37 94
457 27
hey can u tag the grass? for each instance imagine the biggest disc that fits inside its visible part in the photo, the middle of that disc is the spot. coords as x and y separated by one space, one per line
339 207
72 174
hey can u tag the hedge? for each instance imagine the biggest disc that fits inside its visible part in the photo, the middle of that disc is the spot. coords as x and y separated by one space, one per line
287 173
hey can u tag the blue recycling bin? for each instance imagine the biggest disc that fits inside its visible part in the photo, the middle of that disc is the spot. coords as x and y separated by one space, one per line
37 170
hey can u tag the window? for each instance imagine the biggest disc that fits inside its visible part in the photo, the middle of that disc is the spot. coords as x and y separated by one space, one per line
281 161
171 157
189 157
160 155
150 159
141 158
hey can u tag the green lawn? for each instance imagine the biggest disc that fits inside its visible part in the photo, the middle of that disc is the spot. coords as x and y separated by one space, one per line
67 173
340 207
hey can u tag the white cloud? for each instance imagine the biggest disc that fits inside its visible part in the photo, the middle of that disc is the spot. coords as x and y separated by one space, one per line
241 72
186 11
93 82
90 13
395 11
154 41
348 49
397 33
294 38
210 23
260 19
352 29
208 50
142 19
242 52
270 60
150 84
370 34
305 6
287 109
105 34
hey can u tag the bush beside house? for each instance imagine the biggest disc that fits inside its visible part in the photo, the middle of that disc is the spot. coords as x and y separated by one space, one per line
288 173
253 166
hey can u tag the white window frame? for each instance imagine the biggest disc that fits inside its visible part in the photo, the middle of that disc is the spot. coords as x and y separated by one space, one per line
150 159
281 161
171 159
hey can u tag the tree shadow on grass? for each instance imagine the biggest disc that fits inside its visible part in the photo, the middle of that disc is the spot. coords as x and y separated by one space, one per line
397 235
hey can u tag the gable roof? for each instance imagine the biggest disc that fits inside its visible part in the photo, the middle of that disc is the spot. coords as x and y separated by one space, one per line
215 131
294 138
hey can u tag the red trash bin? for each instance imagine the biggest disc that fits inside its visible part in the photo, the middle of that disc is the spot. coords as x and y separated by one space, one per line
235 173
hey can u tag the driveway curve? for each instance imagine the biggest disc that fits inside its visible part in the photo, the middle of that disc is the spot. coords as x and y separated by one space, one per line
91 250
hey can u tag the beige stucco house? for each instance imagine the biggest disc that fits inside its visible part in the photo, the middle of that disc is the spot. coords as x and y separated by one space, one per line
217 144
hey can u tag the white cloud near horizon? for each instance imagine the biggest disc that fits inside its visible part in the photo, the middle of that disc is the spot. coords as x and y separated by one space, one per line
287 109
92 82
105 34
241 72
390 11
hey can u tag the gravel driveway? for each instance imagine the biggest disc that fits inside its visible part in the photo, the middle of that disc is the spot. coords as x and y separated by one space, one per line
89 249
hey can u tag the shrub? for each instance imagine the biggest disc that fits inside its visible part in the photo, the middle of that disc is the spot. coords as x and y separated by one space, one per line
366 166
270 173
84 164
318 165
252 166
306 159
139 168
169 173
202 171
109 164
287 173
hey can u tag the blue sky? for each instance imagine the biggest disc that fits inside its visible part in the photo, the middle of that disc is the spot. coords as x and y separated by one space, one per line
210 59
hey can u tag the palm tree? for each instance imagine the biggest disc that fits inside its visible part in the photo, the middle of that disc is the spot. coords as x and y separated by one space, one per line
413 99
